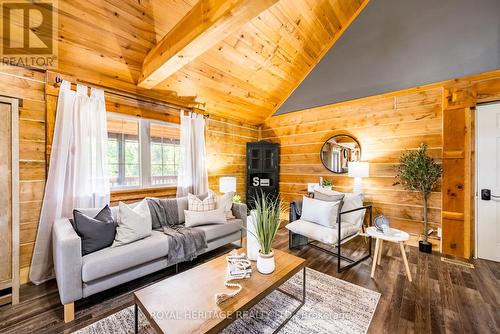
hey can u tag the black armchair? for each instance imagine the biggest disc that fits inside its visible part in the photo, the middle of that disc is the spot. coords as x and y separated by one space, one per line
296 240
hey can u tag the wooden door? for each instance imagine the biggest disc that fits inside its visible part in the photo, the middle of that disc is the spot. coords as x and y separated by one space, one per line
9 200
6 194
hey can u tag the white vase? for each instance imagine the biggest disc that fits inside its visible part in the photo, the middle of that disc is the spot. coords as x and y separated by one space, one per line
252 242
265 263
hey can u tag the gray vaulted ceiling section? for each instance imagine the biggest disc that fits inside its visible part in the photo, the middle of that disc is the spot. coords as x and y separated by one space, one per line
397 44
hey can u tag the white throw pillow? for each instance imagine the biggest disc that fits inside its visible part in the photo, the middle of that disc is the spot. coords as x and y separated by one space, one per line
196 204
226 201
320 212
133 224
197 218
352 201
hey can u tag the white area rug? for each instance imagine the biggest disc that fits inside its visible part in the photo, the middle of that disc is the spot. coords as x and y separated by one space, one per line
332 306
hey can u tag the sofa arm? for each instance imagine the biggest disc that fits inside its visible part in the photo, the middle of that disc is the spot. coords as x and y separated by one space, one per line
67 253
240 212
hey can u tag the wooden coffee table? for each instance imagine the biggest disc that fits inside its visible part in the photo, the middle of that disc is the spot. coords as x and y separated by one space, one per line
185 303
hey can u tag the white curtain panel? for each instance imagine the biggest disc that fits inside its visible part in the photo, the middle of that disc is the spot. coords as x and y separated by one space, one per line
77 175
192 175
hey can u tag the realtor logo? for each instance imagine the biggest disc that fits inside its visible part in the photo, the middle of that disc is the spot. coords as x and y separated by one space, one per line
29 33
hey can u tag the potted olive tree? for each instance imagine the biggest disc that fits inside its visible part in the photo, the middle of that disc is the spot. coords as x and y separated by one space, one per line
417 171
267 222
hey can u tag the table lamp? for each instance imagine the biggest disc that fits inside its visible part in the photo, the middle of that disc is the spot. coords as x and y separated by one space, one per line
358 170
227 184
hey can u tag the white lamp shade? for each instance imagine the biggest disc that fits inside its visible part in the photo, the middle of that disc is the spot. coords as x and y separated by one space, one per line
358 169
227 184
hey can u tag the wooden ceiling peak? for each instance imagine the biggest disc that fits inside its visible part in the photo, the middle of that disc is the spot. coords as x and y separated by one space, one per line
205 25
251 72
245 75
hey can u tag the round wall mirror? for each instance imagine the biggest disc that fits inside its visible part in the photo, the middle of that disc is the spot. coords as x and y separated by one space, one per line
338 151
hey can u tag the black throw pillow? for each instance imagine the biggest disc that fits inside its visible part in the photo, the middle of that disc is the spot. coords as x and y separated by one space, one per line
105 215
96 233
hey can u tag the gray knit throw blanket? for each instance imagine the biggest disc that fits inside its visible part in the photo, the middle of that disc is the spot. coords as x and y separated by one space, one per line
184 243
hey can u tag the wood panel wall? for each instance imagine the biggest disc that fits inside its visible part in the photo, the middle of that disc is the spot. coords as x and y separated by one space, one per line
225 145
457 164
385 126
226 151
28 86
440 115
225 139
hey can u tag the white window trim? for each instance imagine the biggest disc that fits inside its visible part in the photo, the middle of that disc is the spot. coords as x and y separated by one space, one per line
144 125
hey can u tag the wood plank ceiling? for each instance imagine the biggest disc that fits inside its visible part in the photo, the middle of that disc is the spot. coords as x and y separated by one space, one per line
245 76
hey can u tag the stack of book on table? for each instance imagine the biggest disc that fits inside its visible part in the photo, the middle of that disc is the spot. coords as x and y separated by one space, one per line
238 266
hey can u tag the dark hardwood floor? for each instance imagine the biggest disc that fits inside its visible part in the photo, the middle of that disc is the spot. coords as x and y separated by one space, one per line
443 297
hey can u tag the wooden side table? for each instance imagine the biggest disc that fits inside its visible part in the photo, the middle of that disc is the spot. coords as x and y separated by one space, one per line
397 236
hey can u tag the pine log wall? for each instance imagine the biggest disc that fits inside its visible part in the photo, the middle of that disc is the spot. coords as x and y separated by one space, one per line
386 126
29 86
225 145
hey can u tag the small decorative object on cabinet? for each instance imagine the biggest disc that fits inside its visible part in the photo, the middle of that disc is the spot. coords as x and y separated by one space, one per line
262 170
419 172
268 210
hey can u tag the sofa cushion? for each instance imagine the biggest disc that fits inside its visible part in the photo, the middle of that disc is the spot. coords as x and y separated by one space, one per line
216 231
321 233
111 260
197 218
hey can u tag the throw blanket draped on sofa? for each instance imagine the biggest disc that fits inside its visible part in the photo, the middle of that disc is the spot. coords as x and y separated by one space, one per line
184 243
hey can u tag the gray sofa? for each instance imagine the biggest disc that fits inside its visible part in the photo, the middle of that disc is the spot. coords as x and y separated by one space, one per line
81 276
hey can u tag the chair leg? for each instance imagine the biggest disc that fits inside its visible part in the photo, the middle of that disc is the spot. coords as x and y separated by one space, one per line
375 256
405 260
69 312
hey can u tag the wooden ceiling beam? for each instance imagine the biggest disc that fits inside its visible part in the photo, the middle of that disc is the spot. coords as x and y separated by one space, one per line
207 23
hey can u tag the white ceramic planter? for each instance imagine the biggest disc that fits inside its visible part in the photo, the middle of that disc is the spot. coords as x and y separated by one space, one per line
265 263
252 242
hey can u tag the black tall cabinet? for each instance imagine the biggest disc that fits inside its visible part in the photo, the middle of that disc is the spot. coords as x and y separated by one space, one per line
262 170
